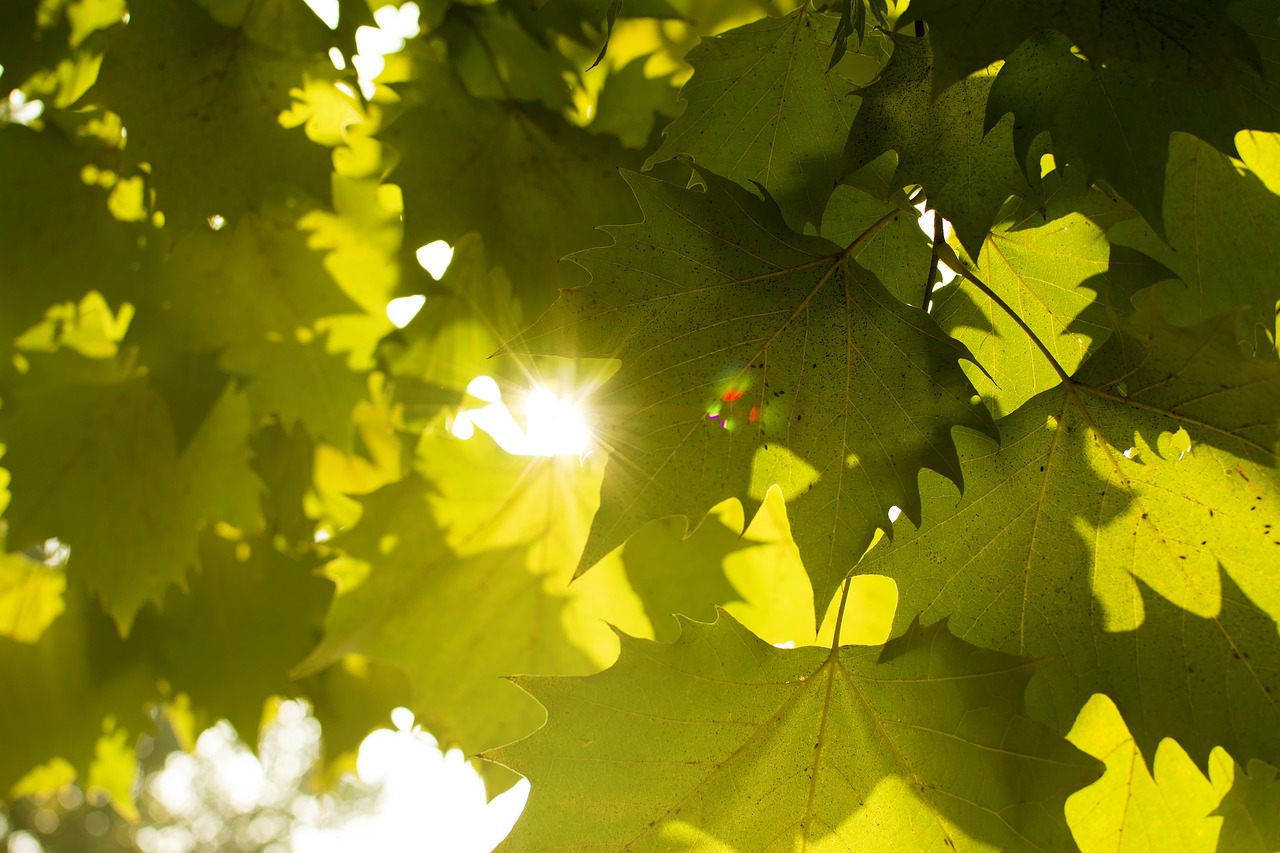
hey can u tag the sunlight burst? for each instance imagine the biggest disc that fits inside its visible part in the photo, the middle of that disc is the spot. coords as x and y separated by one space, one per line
553 425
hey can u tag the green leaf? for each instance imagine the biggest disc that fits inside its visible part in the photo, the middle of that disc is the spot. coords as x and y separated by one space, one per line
201 102
1109 121
1185 41
94 464
30 597
70 681
1123 528
465 318
533 186
496 58
58 240
752 355
1132 807
898 253
967 170
1045 267
1212 210
720 739
324 401
247 617
1250 816
511 528
583 20
762 108
631 103
265 262
673 575
283 459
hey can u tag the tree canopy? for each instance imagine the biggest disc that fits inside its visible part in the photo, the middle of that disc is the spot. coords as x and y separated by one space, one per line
927 352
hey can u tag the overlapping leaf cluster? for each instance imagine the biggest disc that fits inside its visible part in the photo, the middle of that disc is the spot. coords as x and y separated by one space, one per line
230 477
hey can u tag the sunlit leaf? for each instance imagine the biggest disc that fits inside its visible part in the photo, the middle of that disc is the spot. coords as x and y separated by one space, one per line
721 738
1123 528
967 170
1133 807
762 108
1046 267
532 185
1211 208
751 356
200 101
1251 811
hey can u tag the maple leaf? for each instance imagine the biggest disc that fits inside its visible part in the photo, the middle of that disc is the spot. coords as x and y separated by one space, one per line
1124 528
1210 242
720 738
898 253
1110 121
672 575
1166 806
482 541
57 237
967 170
75 429
201 101
1046 265
631 103
1177 40
533 186
528 71
752 355
70 682
467 315
1250 820
762 108
264 260
30 597
226 641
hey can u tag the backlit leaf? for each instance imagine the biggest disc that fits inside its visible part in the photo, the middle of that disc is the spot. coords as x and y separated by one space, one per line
721 741
751 356
533 186
967 170
1133 807
1124 528
763 108
201 101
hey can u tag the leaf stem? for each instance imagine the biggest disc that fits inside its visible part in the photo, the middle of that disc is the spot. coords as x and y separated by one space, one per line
869 233
844 599
939 235
948 255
